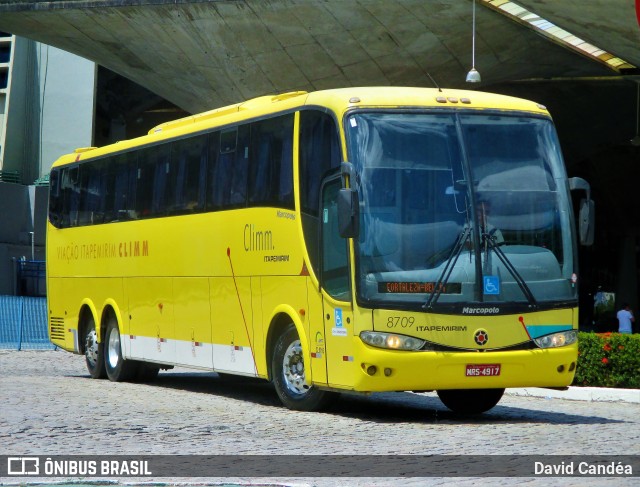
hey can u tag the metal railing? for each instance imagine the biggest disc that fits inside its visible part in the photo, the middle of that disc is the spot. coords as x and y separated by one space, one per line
31 278
23 323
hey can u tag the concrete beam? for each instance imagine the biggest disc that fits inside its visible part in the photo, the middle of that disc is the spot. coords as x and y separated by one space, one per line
204 54
612 25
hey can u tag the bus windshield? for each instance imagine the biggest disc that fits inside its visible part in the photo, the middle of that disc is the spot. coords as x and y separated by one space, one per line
460 207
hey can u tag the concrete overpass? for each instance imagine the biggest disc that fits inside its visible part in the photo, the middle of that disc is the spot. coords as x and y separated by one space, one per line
204 54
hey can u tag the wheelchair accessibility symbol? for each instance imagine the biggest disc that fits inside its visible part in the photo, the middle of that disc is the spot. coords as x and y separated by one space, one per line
491 285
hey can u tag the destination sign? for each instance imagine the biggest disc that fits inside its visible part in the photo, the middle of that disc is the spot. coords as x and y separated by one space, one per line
419 287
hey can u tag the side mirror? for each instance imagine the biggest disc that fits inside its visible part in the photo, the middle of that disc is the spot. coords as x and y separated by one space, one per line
587 215
586 225
348 213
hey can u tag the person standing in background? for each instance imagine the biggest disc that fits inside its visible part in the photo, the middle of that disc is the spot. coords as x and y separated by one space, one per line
625 319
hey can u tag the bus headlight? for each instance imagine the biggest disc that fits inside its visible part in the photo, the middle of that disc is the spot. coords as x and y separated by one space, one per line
560 339
391 341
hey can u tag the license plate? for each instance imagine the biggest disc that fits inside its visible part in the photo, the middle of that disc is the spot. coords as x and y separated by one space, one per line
483 370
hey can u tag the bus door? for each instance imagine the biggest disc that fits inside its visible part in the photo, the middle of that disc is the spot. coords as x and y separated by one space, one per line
336 290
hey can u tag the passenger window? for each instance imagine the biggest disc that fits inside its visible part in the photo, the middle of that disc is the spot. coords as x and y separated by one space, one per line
163 189
189 159
213 202
271 179
228 170
120 193
55 199
222 168
92 202
144 182
238 196
70 189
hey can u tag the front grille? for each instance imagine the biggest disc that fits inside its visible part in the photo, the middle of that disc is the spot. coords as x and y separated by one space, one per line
434 347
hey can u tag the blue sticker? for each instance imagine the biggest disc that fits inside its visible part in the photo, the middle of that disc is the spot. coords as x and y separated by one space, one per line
491 284
338 317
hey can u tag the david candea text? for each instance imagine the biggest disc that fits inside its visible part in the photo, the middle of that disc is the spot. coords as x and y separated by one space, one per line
131 248
582 468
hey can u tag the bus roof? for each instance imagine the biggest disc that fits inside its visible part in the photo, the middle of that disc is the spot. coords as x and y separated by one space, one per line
339 100
390 97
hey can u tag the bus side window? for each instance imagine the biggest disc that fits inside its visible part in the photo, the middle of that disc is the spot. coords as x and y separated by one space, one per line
271 179
163 189
85 179
55 199
189 161
124 187
225 192
144 182
319 153
71 196
240 170
224 167
212 172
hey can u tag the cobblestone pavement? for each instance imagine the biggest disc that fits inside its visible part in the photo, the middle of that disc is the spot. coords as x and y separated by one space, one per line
50 406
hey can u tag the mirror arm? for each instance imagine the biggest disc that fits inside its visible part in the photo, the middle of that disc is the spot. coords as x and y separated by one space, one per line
347 170
580 183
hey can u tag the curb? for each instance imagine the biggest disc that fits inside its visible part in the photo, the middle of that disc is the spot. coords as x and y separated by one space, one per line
600 394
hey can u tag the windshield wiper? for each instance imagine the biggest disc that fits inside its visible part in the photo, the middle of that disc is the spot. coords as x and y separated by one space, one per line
453 259
489 240
448 268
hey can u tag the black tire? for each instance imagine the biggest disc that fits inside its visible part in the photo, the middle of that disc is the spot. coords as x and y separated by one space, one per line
117 368
470 401
146 372
93 351
287 367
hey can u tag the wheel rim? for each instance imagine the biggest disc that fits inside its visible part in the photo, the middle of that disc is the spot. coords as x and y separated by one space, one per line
114 348
293 369
91 348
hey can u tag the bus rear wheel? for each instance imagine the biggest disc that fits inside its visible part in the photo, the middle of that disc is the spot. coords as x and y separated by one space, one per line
118 369
94 351
288 370
470 401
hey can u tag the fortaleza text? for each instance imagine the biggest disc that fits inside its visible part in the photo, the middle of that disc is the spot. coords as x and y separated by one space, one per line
583 468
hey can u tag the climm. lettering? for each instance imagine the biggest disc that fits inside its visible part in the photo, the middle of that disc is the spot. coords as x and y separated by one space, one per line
136 248
257 240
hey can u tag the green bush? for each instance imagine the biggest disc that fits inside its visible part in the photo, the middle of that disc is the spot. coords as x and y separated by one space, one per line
608 360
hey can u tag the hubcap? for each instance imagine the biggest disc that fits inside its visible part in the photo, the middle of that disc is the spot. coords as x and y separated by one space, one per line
293 369
113 347
91 347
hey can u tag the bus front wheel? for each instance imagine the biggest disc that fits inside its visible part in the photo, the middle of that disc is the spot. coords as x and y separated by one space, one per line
470 401
93 351
288 370
117 368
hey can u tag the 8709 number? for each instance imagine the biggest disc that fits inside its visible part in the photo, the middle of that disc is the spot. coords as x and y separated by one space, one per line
400 321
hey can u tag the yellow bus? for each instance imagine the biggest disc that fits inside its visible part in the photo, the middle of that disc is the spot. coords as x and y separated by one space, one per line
359 239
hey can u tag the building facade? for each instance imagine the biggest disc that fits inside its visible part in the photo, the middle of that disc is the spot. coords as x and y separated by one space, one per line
47 100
